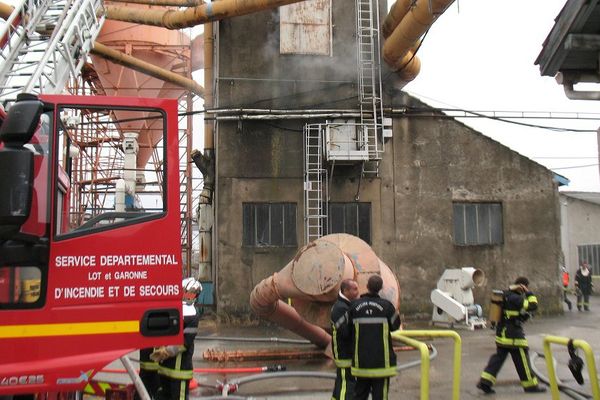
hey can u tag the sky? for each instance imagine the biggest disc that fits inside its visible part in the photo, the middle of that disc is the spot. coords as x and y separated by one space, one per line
479 56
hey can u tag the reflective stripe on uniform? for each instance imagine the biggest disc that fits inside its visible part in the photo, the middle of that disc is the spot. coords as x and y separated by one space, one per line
176 372
370 320
386 347
488 377
511 342
531 380
343 363
374 372
149 365
343 385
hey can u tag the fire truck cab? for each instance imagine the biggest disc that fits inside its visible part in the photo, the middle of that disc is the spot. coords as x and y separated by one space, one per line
90 260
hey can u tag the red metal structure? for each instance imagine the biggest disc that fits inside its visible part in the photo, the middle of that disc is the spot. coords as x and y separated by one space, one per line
77 293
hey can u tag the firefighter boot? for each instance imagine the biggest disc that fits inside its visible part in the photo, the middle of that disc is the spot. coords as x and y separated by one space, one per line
486 388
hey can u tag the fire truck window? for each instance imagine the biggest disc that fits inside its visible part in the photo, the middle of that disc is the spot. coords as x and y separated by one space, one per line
19 285
110 168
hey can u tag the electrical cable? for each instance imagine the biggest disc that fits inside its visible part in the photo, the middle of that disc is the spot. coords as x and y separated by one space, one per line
569 391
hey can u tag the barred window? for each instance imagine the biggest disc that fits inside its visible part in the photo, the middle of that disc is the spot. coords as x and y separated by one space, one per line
269 224
477 223
591 254
352 218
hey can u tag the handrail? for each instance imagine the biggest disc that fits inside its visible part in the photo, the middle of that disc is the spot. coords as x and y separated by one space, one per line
406 337
589 358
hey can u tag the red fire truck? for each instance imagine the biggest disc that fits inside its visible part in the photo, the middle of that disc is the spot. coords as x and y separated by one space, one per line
86 276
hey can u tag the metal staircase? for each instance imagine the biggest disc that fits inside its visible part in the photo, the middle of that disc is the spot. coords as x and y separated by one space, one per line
44 42
369 78
315 184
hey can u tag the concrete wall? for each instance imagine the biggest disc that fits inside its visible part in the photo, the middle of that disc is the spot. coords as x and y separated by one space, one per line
580 221
428 164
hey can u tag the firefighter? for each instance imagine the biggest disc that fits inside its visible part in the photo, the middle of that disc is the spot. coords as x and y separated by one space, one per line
148 373
517 304
583 286
371 320
341 341
175 366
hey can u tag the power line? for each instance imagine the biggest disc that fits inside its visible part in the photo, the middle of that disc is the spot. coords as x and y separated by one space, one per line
576 166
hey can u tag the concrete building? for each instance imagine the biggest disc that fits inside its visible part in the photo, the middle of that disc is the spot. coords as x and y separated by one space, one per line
440 195
580 232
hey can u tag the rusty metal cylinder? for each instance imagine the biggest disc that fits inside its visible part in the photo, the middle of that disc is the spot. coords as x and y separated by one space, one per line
311 282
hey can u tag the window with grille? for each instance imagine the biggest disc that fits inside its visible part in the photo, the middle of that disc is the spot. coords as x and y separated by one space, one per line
269 224
477 224
352 218
591 254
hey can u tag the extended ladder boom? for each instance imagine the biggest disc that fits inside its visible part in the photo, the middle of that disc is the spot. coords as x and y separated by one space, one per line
44 42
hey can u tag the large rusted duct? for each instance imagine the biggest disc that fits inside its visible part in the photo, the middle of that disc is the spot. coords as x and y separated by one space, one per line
177 19
404 25
168 3
312 280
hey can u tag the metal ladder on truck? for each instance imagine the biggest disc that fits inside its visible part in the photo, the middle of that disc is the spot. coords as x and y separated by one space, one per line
44 42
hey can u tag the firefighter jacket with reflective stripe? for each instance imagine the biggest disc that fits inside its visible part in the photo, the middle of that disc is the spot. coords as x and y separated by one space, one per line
516 308
341 338
180 366
371 319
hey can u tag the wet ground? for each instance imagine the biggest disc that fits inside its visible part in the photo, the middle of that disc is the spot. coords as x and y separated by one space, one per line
229 344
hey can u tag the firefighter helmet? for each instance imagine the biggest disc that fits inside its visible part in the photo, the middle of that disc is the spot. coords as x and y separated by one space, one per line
191 289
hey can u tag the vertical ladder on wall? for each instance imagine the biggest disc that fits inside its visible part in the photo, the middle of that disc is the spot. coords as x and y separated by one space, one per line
44 42
315 183
369 78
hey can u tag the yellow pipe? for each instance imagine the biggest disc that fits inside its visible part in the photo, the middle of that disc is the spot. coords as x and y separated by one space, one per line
424 350
398 11
414 24
457 352
5 10
589 358
146 68
201 14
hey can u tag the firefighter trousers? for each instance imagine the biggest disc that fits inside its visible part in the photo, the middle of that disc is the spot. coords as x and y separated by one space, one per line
343 388
378 387
583 300
520 357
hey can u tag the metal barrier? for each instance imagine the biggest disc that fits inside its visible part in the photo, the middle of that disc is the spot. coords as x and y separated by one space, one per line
407 337
589 359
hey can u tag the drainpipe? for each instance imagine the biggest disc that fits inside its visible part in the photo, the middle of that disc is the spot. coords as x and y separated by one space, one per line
206 164
146 68
567 81
404 25
175 19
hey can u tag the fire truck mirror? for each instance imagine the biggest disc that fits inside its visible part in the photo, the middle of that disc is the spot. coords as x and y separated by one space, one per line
16 188
161 322
21 121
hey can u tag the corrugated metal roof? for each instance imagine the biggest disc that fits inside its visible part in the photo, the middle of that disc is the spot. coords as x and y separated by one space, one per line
574 42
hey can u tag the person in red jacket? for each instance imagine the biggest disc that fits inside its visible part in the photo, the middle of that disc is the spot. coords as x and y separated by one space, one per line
565 283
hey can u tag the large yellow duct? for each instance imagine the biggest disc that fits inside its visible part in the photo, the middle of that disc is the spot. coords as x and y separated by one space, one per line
403 27
5 10
141 66
168 3
201 14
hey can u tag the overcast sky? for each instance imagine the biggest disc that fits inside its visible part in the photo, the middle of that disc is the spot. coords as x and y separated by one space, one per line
480 54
